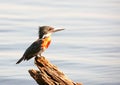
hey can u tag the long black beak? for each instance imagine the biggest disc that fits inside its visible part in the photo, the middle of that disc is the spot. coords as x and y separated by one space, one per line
56 30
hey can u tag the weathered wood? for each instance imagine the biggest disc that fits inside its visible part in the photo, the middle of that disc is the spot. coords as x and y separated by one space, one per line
49 74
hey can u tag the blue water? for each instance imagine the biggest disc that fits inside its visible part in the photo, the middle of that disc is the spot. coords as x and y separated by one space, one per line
87 51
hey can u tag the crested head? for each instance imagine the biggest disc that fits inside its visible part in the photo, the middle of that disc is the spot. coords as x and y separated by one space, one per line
44 30
47 31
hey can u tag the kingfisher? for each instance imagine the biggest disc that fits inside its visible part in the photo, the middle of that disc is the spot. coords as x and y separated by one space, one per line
41 44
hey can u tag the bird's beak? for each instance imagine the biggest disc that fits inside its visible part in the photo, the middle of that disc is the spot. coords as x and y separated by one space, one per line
57 29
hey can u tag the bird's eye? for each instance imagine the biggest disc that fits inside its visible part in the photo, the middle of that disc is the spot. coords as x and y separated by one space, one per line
49 28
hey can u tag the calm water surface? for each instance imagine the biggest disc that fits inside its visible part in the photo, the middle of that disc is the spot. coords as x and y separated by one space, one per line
88 51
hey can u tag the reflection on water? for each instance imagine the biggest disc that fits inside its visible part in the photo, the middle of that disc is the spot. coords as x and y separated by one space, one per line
87 51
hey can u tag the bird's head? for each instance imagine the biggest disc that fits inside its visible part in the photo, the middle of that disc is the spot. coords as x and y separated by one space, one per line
47 31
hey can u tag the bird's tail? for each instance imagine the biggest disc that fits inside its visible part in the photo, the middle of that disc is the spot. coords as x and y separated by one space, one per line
20 60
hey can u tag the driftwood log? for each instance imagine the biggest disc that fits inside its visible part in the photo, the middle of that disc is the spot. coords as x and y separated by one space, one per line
48 74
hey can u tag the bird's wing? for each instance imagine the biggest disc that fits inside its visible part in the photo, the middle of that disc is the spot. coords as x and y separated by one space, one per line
30 52
34 48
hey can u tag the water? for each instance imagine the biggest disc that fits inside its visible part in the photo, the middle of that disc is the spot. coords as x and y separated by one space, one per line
88 51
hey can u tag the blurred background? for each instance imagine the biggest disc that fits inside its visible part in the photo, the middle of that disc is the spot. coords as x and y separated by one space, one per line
88 51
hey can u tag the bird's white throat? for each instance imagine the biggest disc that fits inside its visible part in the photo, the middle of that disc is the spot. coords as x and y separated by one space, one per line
47 35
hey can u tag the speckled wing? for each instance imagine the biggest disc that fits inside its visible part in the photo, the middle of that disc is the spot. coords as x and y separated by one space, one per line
31 51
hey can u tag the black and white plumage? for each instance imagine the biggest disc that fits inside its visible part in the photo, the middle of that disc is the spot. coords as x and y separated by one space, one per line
39 46
33 50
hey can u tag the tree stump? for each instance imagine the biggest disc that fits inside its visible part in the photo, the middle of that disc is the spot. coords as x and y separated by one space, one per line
48 74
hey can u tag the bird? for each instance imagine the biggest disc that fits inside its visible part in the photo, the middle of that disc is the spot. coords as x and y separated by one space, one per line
41 44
